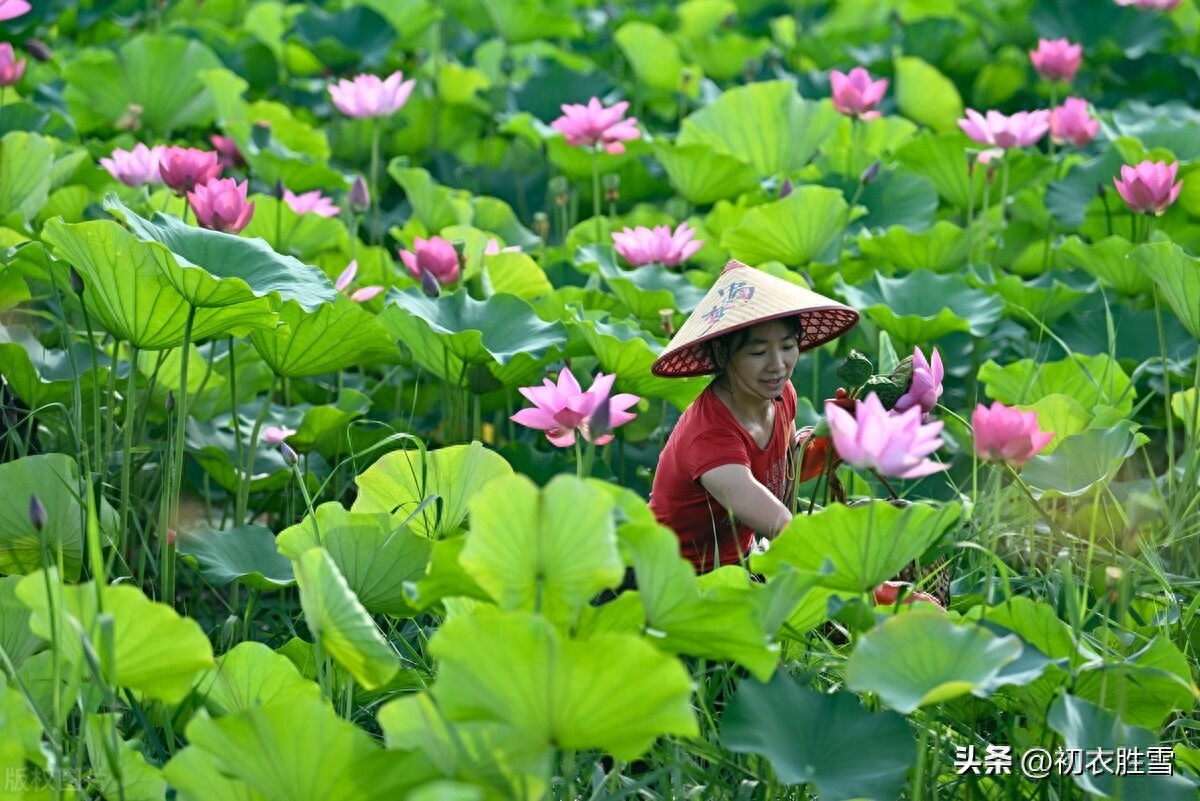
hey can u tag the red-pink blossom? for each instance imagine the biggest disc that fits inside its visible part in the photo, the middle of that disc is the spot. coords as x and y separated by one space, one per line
435 256
185 168
359 295
1072 122
594 124
368 96
1004 434
856 95
230 154
562 409
221 205
1022 129
11 70
1056 59
641 246
926 385
135 167
11 9
1151 5
313 202
1148 187
892 444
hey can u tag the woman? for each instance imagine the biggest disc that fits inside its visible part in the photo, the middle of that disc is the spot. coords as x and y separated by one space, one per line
727 471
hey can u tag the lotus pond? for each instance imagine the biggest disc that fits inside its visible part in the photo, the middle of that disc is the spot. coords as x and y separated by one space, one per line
273 277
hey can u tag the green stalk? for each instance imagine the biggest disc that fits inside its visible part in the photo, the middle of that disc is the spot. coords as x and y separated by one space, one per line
243 494
111 391
1003 210
596 197
375 133
127 444
176 487
1162 345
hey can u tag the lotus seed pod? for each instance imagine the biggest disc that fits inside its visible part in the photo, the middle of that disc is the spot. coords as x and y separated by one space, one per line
855 370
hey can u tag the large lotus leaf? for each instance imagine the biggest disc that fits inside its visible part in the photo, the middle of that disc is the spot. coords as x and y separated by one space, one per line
436 206
1090 380
858 143
925 95
615 692
894 198
1044 299
918 659
765 124
944 159
21 736
576 163
445 577
356 38
448 334
866 545
515 274
13 289
220 269
495 216
154 650
703 175
547 551
629 354
923 306
196 775
16 639
1107 260
131 778
1089 729
242 553
647 291
720 623
54 478
25 162
25 116
251 675
334 337
39 375
942 248
1039 625
1068 198
653 56
1144 687
794 230
1177 275
1061 415
401 481
376 557
827 740
518 21
128 295
333 613
1186 406
299 750
1080 462
1173 126
304 236
151 81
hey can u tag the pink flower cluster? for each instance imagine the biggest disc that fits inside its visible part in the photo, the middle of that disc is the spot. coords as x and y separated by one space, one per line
11 70
593 125
562 409
434 256
1004 434
641 246
1056 59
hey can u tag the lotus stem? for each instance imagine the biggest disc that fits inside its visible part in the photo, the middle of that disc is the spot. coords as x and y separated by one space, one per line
127 444
1162 345
176 488
243 496
596 196
375 134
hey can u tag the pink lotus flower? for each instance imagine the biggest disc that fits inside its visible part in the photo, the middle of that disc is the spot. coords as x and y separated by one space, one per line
220 205
1072 123
368 96
1003 434
11 70
312 201
642 246
275 435
435 256
1151 5
1022 129
1056 59
359 295
228 152
856 95
562 409
594 124
185 168
926 385
1147 187
11 9
873 438
135 167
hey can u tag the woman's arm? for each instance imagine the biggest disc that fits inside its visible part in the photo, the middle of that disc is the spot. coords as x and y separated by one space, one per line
736 488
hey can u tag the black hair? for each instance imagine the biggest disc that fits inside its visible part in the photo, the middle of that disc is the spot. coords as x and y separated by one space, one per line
732 342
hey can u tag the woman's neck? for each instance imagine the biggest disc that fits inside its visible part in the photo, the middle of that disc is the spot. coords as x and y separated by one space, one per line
746 407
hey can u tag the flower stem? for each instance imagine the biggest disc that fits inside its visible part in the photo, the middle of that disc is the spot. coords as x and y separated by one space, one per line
375 133
176 487
1162 345
596 198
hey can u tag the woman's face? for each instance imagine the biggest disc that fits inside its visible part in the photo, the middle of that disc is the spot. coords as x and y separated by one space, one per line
765 360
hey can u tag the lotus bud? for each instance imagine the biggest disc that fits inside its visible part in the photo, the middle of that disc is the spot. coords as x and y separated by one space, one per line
786 188
76 282
612 188
279 189
869 174
560 189
170 401
289 454
885 388
822 429
855 370
430 284
1101 188
902 375
360 198
37 512
38 49
171 537
667 318
541 224
686 76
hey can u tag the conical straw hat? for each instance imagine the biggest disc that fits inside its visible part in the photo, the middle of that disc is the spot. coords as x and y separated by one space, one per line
741 297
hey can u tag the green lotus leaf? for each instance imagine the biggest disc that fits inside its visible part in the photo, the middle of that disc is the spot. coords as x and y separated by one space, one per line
1144 687
132 777
324 428
243 553
827 740
16 639
702 175
213 445
923 306
127 293
719 622
647 291
196 775
54 478
765 124
795 230
13 289
652 55
917 659
21 737
925 95
1060 414
1072 198
357 38
333 613
218 269
866 545
1173 126
944 158
547 551
151 81
1090 380
1039 626
1080 462
154 650
1184 405
25 162
448 334
251 675
32 118
436 206
724 56
495 216
576 163
1089 728
334 760
68 202
39 375
629 353
941 248
334 337
304 236
445 577
856 144
1177 276
1107 260
1045 299
409 18
894 198
615 692
518 21
515 274
376 557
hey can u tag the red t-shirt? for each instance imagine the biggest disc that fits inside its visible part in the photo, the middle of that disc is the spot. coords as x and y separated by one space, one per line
708 436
